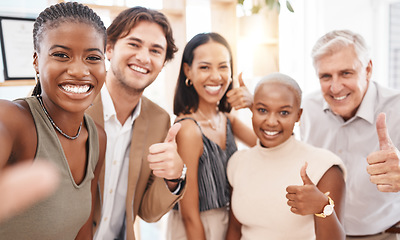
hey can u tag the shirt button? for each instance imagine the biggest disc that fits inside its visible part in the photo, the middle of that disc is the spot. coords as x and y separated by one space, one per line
105 219
111 191
115 162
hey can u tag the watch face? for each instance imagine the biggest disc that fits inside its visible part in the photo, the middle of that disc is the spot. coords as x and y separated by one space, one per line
328 210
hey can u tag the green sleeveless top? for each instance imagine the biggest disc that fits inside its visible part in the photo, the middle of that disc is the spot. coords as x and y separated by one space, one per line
62 215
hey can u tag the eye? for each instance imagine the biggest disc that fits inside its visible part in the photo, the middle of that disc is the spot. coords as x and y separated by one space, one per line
155 51
94 58
261 110
62 56
347 74
284 113
325 77
134 45
204 67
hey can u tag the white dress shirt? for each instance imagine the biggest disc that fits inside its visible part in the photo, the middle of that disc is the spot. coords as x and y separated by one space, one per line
116 168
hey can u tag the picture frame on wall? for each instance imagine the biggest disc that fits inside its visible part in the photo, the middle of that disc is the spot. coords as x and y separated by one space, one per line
17 47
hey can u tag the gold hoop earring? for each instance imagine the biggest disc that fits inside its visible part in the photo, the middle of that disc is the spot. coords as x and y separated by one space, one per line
188 82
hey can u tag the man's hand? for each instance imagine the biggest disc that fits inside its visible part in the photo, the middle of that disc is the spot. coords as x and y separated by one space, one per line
239 96
384 165
164 159
306 199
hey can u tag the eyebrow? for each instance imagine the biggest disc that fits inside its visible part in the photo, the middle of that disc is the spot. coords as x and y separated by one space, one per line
67 48
262 104
140 41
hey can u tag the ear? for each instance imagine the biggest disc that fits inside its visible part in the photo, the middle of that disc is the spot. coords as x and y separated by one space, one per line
369 70
109 51
299 114
186 70
35 62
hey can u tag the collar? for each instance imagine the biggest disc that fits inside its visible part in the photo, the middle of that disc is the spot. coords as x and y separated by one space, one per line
364 111
109 109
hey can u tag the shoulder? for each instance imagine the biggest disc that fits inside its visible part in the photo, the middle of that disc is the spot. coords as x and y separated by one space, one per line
15 112
387 98
152 108
313 98
189 128
320 159
236 162
240 157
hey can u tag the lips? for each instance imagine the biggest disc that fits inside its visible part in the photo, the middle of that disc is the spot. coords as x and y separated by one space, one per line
271 133
340 98
213 88
77 89
139 69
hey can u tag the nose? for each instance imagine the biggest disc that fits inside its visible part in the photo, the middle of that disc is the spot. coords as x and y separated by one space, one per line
78 69
215 74
336 85
271 120
143 55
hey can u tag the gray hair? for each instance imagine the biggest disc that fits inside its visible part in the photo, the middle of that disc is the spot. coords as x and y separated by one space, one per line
284 80
335 40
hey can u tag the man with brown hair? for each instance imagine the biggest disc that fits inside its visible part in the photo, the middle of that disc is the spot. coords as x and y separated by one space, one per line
143 173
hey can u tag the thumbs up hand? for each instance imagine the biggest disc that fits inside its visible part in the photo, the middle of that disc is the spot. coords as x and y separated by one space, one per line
164 159
384 165
239 96
307 198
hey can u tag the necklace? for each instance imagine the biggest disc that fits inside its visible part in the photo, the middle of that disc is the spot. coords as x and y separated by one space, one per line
209 120
54 124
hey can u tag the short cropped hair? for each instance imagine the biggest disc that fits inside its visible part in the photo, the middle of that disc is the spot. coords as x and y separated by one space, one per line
284 80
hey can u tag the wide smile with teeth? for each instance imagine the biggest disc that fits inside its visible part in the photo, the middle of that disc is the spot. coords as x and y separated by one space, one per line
213 88
271 133
340 98
139 69
76 88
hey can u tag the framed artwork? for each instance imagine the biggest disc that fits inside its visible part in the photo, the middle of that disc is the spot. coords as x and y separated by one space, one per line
17 47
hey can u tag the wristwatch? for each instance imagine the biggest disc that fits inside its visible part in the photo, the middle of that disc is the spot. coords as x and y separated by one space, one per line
328 209
182 177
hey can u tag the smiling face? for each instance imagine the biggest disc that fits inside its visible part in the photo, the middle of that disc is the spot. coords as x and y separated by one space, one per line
275 112
71 65
210 71
137 59
344 81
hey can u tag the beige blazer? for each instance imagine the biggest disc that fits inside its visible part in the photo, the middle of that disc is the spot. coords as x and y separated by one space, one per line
147 195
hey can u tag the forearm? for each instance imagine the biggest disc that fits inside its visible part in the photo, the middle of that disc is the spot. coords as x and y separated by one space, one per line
157 200
329 228
194 228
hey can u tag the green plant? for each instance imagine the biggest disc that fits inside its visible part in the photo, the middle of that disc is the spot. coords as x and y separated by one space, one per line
272 4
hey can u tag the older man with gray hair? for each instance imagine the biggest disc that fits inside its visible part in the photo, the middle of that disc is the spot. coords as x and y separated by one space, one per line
343 117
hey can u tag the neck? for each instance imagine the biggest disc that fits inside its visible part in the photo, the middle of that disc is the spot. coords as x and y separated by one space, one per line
124 102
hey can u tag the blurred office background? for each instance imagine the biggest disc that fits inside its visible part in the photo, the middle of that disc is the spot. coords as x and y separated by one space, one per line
263 41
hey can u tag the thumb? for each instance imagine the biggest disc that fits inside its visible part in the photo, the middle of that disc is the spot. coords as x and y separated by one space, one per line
384 139
173 131
240 78
304 176
239 82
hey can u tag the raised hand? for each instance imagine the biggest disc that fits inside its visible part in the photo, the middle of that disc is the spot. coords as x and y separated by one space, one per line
239 96
164 159
384 165
24 184
307 198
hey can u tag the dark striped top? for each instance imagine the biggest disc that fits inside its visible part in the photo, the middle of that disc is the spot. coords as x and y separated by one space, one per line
214 190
